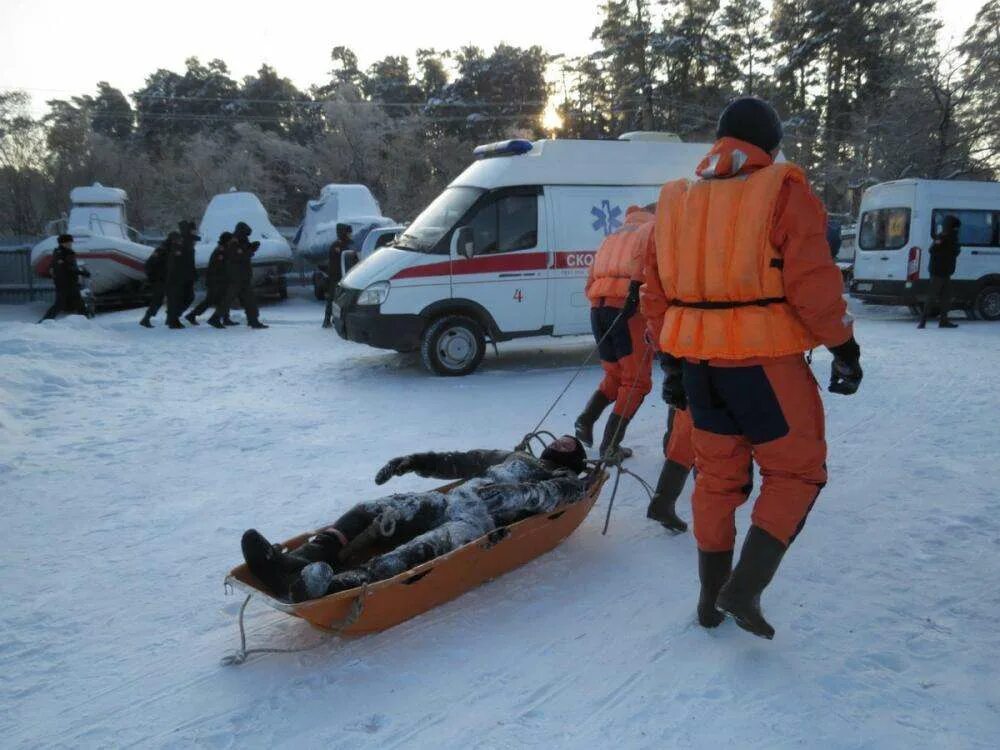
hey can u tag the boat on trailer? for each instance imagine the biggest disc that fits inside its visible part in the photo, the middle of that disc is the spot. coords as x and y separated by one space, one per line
103 242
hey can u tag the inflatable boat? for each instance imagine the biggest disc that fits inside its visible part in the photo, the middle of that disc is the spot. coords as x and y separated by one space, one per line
101 239
383 604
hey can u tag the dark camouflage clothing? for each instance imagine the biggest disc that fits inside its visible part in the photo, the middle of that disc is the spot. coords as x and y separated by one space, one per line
501 487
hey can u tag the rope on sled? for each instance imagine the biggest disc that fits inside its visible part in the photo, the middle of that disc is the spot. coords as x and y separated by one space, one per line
586 361
242 653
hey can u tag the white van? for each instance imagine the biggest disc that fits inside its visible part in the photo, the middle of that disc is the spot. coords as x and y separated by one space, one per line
897 223
504 251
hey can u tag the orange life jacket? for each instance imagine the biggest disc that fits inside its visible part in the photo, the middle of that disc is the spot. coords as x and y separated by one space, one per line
719 271
619 260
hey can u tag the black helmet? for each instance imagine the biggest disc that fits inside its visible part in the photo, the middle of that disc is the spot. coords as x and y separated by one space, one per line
752 120
567 452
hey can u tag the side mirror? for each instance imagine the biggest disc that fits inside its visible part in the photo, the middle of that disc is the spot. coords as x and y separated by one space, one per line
462 243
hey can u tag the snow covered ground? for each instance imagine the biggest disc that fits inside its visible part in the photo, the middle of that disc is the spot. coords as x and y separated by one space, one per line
132 460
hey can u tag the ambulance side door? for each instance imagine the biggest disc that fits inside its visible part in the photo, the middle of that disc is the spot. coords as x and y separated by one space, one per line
507 270
582 217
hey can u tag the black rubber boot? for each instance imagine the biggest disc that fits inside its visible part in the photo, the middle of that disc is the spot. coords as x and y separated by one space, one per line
668 489
714 569
175 324
947 324
190 318
145 322
227 321
257 325
215 322
268 563
740 596
591 413
614 431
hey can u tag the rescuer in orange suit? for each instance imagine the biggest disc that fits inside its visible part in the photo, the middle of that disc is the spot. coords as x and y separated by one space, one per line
739 285
627 358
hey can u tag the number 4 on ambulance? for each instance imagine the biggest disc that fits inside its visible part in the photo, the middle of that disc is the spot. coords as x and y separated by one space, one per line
518 295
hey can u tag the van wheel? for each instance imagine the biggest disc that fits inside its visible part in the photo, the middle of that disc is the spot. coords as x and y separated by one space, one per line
987 304
453 345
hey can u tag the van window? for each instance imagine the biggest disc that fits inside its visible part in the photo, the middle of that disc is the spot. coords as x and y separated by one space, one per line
979 228
428 230
507 224
884 229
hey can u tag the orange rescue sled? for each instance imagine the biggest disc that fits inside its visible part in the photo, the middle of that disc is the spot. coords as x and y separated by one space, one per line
381 605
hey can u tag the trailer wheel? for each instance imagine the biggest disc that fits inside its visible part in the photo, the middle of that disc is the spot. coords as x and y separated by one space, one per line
987 304
453 346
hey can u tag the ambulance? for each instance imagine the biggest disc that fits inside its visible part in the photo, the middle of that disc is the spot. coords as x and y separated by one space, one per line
503 252
897 225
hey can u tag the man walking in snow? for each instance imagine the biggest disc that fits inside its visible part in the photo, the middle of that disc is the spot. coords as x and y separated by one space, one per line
156 275
342 244
239 274
944 257
66 275
215 287
627 359
739 285
501 487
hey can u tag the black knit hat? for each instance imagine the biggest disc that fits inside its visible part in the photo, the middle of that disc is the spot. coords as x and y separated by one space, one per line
344 229
242 229
567 452
64 239
752 120
225 237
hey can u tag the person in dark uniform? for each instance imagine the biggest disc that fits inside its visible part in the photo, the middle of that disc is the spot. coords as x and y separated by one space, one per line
342 244
176 282
188 240
215 287
66 275
239 272
156 274
944 257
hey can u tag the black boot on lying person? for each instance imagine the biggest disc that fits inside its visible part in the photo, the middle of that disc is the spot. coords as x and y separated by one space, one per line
500 488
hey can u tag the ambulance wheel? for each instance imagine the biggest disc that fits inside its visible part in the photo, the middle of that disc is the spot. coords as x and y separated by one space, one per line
987 304
453 345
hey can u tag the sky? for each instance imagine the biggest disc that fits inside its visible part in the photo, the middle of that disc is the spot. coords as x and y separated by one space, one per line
56 49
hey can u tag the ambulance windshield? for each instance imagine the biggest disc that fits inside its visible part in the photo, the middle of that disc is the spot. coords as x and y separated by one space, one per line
434 222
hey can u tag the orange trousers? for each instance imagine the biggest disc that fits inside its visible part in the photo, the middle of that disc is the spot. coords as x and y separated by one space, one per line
678 444
769 413
626 358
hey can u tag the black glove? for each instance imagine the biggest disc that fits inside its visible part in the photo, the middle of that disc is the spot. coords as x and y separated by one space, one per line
396 467
632 300
673 382
846 373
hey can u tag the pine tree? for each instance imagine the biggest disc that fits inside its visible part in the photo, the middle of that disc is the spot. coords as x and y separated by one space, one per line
981 54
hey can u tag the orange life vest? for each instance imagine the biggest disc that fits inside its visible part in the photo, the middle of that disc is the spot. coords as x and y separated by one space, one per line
719 271
619 260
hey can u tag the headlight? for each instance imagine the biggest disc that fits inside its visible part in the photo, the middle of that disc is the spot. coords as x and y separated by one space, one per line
376 294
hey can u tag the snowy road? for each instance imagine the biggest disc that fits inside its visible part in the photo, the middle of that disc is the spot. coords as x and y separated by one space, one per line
132 460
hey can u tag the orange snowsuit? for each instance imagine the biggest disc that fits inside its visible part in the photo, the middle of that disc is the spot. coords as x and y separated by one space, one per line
739 284
625 356
678 444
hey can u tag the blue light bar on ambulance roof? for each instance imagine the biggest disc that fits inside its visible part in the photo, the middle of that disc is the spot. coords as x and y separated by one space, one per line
502 148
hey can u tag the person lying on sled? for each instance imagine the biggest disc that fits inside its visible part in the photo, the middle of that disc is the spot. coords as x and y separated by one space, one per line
405 530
